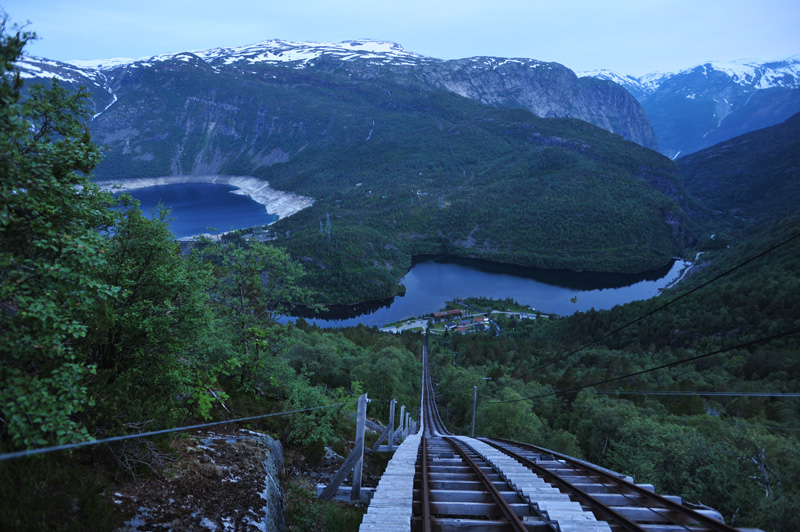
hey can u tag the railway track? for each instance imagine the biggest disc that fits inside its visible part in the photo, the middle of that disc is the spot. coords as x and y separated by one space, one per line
495 485
457 489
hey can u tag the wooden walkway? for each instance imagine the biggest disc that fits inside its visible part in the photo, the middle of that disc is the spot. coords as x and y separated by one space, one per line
390 509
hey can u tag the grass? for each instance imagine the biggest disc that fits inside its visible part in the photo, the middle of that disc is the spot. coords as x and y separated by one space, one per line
306 513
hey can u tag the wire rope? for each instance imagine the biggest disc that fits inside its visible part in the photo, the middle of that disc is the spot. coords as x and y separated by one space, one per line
667 304
649 370
67 446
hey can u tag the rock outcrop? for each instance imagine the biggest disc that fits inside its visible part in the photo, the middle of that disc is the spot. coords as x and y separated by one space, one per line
220 481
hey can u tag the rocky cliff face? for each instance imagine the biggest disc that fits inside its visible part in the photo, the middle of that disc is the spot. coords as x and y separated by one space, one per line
548 90
130 94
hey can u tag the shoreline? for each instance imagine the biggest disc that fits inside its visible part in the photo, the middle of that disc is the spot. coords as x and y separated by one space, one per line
351 314
281 204
683 273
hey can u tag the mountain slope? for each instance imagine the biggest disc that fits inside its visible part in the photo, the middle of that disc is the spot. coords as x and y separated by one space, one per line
399 166
754 178
710 103
546 89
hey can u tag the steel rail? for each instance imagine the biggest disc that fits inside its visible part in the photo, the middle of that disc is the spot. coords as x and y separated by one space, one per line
702 519
434 424
433 421
426 500
606 512
505 508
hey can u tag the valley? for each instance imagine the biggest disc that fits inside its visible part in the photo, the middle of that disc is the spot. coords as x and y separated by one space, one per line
433 281
400 156
523 185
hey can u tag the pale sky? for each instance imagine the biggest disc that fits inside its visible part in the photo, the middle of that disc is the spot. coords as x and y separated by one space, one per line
629 36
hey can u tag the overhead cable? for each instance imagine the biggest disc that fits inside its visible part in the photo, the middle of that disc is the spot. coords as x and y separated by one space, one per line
668 303
649 370
691 393
43 450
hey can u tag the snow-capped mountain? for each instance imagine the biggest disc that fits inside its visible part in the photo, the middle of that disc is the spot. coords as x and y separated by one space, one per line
274 51
709 103
639 86
546 89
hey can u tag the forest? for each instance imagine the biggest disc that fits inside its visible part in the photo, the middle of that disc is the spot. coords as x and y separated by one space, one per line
496 184
109 328
713 424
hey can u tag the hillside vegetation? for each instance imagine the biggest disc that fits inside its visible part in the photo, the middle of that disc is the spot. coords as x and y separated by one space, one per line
108 328
400 169
750 180
710 424
442 174
580 385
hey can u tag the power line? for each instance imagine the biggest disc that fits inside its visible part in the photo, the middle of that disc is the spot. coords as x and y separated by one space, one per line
692 393
649 370
43 450
668 303
690 420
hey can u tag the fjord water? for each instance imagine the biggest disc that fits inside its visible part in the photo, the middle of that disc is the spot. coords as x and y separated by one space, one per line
200 207
433 281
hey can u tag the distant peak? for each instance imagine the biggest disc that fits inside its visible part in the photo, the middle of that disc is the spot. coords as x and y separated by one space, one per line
271 51
755 73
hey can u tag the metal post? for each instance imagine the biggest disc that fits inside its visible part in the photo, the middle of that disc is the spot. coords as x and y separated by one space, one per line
391 424
402 417
355 493
474 405
354 461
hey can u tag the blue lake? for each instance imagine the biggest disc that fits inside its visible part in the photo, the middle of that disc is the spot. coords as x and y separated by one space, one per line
203 207
433 281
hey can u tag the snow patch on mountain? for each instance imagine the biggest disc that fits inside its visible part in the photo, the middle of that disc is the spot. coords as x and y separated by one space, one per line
271 51
750 73
30 67
759 74
638 86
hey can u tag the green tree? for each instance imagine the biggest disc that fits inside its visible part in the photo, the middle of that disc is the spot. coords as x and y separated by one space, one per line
253 288
144 342
51 251
512 418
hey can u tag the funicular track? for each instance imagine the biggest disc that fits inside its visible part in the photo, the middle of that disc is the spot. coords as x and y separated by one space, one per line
493 485
455 488
611 497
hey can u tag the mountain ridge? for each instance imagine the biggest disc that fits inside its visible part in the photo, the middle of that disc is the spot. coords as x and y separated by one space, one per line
741 70
706 104
406 156
546 89
294 50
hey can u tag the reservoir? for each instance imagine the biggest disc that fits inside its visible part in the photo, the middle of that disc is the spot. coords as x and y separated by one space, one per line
432 281
203 208
211 207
